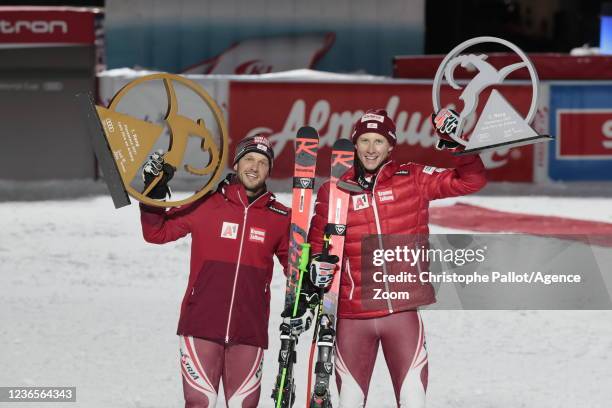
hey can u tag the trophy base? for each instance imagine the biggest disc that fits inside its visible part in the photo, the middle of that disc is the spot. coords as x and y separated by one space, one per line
112 177
514 143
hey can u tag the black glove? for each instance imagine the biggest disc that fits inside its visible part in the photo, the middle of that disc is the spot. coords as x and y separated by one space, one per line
151 169
445 123
307 302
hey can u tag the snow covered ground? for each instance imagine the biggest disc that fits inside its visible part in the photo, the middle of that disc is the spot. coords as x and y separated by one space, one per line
85 302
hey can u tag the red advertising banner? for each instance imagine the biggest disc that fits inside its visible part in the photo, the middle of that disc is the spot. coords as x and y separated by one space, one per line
584 133
44 25
279 109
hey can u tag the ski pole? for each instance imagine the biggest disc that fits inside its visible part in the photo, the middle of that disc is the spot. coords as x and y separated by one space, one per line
315 334
303 268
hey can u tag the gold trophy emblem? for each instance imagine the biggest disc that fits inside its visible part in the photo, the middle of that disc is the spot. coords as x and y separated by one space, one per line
127 141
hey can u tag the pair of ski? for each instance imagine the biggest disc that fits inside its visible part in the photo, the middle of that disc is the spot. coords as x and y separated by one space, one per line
306 147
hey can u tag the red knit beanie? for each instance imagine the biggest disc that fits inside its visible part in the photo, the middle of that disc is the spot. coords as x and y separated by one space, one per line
375 121
258 143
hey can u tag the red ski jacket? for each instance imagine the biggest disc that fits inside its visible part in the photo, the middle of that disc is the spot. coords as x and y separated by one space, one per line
397 204
233 243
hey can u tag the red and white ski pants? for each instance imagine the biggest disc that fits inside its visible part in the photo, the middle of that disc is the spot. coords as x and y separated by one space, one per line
403 343
204 362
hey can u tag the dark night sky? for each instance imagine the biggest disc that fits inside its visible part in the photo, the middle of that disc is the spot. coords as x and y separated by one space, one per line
573 25
448 22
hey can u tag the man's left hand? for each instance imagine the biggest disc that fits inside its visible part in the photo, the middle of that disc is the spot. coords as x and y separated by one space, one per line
446 122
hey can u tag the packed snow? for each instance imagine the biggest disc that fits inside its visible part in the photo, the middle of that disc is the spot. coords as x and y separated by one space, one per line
85 302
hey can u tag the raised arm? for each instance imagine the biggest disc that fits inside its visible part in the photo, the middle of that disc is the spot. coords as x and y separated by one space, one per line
467 177
160 226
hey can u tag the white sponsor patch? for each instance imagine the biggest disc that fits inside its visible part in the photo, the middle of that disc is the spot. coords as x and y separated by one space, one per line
262 147
372 116
257 235
439 170
229 230
386 195
372 126
360 201
429 169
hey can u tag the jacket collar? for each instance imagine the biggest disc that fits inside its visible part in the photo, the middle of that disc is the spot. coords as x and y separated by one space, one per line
385 172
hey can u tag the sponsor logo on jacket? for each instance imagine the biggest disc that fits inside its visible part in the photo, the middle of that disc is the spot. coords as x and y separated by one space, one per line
257 235
431 169
386 195
360 201
229 230
278 210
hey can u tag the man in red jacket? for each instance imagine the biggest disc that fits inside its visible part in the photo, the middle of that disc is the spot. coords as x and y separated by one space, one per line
235 233
394 199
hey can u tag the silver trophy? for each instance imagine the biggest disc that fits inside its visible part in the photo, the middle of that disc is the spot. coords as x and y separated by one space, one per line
499 125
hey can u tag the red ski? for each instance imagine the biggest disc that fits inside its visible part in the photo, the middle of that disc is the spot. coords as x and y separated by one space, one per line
306 146
341 160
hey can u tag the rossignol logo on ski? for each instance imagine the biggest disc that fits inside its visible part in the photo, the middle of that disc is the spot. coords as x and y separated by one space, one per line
229 230
340 229
303 182
360 202
257 235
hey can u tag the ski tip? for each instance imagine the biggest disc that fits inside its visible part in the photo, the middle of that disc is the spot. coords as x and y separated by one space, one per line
308 132
343 144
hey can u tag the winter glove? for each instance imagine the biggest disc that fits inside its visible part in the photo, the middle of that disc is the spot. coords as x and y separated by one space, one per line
446 122
151 169
304 316
322 270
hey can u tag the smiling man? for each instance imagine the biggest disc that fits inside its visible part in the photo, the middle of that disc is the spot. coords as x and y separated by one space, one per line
252 164
386 198
235 232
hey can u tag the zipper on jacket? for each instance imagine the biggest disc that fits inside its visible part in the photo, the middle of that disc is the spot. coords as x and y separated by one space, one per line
348 269
379 231
244 218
